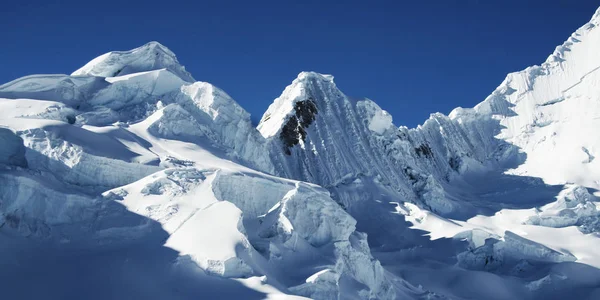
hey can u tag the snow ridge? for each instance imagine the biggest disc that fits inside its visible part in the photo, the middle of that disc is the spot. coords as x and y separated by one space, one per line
130 160
149 57
536 125
128 156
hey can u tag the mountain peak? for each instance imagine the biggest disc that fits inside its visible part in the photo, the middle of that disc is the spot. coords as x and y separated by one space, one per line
149 57
306 75
154 45
308 88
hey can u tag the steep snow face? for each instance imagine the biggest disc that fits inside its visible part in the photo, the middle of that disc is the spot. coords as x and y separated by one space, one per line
128 90
538 124
326 138
228 121
313 125
152 56
543 116
550 111
278 112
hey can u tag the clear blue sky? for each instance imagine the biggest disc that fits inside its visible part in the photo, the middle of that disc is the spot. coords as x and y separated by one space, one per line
411 57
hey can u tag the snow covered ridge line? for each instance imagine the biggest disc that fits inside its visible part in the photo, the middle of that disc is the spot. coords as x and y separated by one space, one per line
152 56
549 108
539 123
94 164
465 141
128 99
130 161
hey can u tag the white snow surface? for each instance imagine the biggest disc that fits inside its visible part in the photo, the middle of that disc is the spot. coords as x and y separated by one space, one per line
144 165
152 56
128 180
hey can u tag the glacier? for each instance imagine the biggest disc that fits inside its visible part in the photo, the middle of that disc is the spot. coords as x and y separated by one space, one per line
130 179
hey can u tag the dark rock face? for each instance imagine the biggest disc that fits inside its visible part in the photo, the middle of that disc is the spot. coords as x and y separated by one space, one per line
71 119
424 150
455 163
306 111
290 133
295 128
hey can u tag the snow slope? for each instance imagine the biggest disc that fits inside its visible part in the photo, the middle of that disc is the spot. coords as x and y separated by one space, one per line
478 175
114 171
128 179
555 109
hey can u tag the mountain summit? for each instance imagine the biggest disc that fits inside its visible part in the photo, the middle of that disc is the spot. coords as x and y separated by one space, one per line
128 171
149 57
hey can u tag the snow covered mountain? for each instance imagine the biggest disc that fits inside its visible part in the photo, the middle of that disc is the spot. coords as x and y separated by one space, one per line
129 179
142 175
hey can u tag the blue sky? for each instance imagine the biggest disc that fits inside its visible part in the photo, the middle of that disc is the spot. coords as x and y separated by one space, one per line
412 57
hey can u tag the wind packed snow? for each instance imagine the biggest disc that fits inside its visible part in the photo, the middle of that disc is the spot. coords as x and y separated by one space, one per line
128 179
